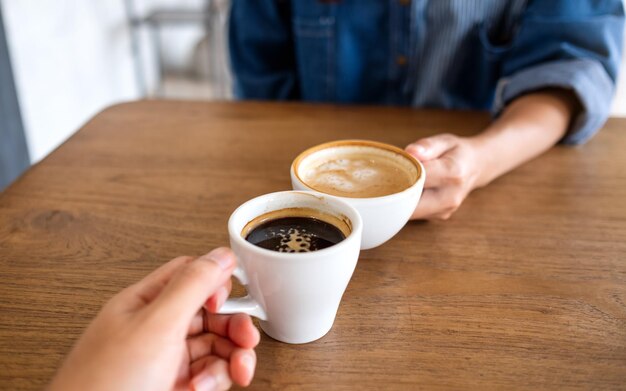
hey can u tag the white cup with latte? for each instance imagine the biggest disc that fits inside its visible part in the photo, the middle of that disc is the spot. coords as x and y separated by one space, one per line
382 182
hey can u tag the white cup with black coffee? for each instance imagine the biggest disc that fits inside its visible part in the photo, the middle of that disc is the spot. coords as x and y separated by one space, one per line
382 182
296 253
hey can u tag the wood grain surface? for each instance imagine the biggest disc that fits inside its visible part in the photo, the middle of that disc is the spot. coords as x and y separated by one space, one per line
524 288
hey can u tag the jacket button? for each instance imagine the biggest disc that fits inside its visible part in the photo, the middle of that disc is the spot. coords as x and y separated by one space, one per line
401 60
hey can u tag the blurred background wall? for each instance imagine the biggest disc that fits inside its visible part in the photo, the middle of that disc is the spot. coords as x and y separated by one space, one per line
72 58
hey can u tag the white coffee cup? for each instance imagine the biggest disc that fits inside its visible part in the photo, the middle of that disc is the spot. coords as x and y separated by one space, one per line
383 216
295 295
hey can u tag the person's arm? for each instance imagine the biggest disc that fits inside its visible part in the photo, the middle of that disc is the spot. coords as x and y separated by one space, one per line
262 52
528 127
455 166
557 83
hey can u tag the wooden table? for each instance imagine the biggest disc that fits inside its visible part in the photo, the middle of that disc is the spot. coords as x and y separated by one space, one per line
525 287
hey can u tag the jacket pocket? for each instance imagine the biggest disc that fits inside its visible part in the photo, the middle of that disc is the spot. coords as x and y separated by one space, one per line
315 57
491 50
479 68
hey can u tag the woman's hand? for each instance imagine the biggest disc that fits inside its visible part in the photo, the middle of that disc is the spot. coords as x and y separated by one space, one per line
452 166
528 126
156 334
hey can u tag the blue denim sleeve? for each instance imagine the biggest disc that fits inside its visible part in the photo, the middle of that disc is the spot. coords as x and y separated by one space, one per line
261 50
574 45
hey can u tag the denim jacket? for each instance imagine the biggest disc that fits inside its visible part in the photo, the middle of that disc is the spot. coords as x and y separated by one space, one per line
461 54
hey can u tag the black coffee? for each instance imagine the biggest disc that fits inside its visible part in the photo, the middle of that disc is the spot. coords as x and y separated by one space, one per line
295 234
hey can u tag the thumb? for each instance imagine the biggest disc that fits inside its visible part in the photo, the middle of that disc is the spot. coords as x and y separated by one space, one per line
193 284
432 147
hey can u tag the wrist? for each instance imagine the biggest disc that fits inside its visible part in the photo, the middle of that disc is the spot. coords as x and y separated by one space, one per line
485 161
528 126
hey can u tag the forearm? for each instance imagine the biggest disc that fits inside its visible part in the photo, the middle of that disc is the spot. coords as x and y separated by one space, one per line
529 126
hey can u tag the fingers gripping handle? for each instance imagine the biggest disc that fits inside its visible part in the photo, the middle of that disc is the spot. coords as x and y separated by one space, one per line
247 304
239 274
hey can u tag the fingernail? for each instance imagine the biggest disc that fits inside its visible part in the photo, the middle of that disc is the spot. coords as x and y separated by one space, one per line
416 149
248 361
222 295
222 256
420 149
204 383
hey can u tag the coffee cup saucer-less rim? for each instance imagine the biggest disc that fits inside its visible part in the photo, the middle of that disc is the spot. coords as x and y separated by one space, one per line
420 177
354 220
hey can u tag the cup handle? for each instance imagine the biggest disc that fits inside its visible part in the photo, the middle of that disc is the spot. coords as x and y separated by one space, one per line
246 304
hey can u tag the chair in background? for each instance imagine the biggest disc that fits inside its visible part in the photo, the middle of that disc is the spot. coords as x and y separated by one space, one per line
210 59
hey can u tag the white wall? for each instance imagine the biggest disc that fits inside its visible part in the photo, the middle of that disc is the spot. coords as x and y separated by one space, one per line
72 58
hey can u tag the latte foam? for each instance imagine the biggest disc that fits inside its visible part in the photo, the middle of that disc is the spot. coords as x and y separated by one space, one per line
357 171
